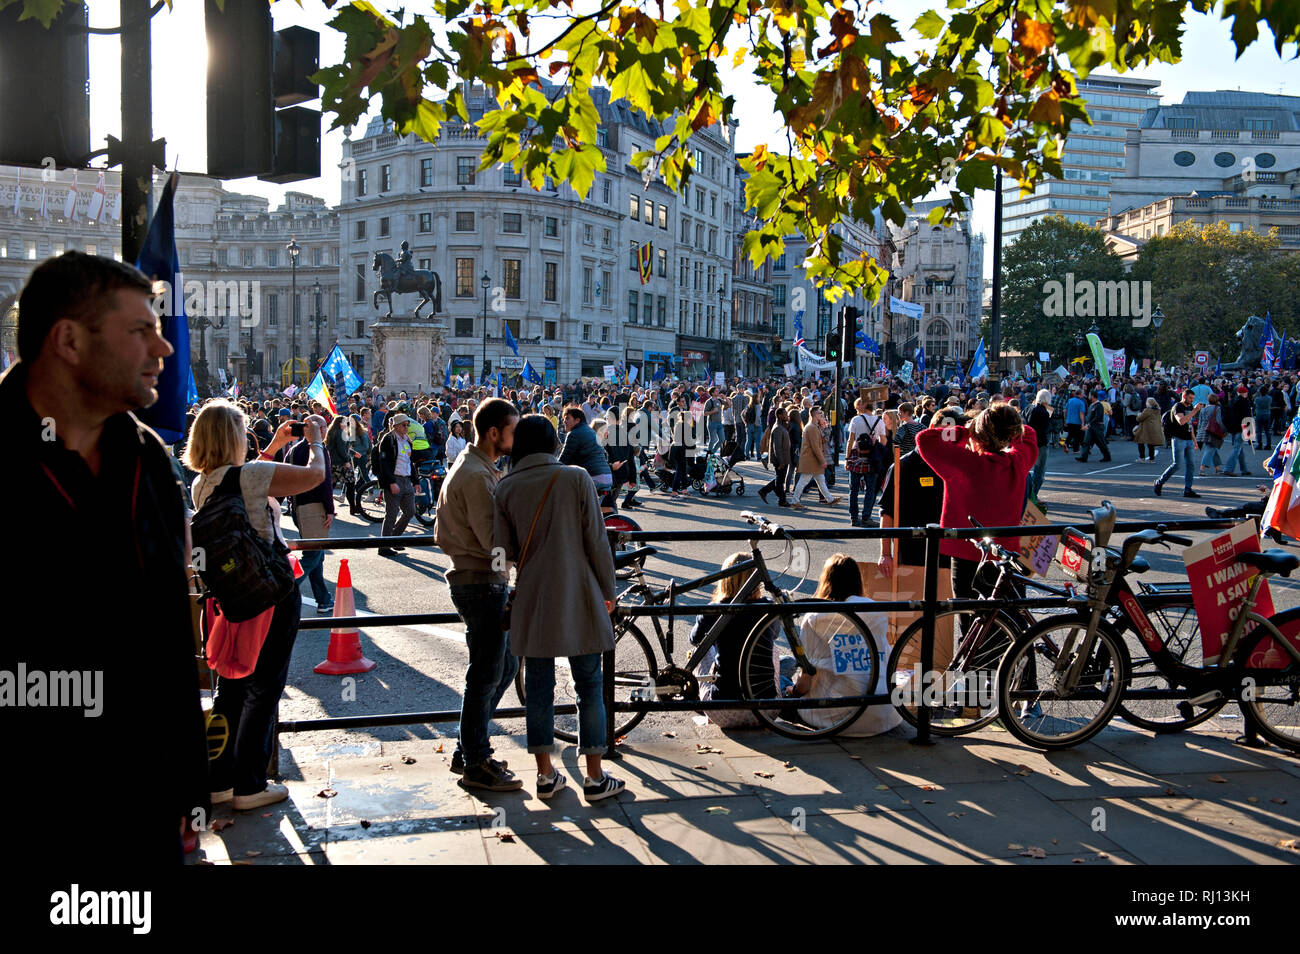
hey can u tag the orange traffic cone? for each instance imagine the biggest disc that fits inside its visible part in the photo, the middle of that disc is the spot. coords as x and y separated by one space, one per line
344 655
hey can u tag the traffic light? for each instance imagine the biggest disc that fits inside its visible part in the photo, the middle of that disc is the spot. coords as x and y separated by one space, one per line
832 346
850 327
252 70
44 101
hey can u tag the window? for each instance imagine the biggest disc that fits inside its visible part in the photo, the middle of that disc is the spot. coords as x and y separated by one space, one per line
713 240
713 206
510 276
663 263
699 275
360 282
648 212
699 236
464 278
1258 125
778 296
550 281
317 254
681 316
245 256
633 299
512 222
361 182
464 221
685 277
604 334
663 217
686 229
465 166
361 328
607 239
1265 160
586 332
632 263
587 235
514 325
1225 160
383 227
662 311
385 177
1234 226
464 327
273 308
273 253
550 330
426 172
780 263
695 320
586 287
602 136
426 264
699 200
1184 158
604 185
426 221
361 228
512 179
552 226
633 206
606 282
647 308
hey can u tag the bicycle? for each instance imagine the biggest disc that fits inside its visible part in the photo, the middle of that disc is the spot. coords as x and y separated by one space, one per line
980 638
769 659
427 483
1090 672
351 490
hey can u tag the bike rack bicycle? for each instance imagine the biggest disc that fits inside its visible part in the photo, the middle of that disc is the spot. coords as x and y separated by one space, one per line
928 605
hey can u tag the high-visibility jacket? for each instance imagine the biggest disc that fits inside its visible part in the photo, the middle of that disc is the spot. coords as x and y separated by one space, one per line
415 433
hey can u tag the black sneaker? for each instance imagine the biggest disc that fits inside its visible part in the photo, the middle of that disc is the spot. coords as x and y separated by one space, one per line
547 786
1156 488
458 763
607 786
399 549
490 776
386 552
1190 493
762 495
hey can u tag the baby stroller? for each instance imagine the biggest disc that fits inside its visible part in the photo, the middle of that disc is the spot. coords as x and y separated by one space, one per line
659 475
720 476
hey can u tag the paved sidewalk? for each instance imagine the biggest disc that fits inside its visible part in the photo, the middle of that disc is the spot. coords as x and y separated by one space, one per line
747 797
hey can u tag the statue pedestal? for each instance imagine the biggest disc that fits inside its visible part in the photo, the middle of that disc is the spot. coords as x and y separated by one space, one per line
408 356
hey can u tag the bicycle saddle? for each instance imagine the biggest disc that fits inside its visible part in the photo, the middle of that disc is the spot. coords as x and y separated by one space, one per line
626 558
1271 561
1139 564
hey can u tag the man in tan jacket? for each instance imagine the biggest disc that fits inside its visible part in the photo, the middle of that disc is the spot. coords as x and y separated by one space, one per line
812 457
477 581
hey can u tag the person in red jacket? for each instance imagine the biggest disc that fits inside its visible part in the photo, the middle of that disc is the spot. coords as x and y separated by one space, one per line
983 466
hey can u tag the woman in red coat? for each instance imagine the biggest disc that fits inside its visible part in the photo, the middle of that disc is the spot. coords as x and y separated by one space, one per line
983 466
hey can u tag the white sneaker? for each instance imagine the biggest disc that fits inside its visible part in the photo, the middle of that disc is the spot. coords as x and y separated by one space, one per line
268 796
220 798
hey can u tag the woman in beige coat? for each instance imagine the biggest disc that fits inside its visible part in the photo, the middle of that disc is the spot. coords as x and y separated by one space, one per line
1149 434
812 458
548 522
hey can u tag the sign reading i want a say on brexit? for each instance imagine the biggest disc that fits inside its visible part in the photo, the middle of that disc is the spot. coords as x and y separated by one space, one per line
1220 583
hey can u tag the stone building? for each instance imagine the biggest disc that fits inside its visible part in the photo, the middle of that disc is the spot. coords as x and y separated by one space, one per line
932 268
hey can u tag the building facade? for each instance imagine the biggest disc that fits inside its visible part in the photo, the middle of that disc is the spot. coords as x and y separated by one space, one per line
933 268
1207 140
1094 156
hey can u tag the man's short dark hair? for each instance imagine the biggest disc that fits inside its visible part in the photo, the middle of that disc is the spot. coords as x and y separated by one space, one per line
494 412
75 286
577 413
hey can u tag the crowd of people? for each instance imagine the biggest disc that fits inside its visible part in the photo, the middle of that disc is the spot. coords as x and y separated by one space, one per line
517 497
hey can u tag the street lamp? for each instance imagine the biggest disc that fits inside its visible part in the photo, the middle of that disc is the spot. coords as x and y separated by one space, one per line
722 329
293 249
1157 319
201 324
317 319
486 282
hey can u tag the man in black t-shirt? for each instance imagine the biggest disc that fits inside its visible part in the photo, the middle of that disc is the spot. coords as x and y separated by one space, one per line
1182 442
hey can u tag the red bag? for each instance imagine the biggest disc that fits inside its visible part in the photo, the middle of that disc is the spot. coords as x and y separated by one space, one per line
233 648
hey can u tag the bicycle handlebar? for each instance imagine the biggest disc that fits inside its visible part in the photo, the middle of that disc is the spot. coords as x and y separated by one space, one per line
767 526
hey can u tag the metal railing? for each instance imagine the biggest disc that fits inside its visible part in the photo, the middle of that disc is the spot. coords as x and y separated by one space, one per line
929 605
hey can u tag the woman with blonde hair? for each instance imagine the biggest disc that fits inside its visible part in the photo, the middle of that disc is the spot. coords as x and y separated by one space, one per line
216 450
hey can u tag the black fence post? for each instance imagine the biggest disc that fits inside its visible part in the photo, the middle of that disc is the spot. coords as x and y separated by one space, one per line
607 673
933 535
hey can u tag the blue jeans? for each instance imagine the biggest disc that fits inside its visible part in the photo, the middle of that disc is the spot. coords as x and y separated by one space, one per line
1238 454
1262 432
1181 453
1039 472
539 701
867 484
717 435
753 441
309 519
491 667
1209 454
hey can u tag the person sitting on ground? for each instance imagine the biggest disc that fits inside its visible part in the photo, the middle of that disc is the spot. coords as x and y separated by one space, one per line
839 673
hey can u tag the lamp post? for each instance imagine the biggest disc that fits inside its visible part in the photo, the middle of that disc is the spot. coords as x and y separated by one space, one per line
722 328
293 249
486 282
1157 319
201 324
317 319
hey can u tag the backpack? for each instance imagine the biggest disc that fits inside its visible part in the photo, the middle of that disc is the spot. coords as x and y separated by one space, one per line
376 460
244 572
871 452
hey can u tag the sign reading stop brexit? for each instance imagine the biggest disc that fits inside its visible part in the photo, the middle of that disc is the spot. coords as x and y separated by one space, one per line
1220 584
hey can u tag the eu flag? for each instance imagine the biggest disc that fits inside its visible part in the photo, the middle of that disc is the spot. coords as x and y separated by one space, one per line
337 366
530 374
511 343
446 375
158 260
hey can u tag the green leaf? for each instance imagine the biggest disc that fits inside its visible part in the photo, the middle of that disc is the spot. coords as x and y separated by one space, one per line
929 24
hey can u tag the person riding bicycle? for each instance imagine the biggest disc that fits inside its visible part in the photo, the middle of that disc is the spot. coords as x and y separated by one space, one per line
582 448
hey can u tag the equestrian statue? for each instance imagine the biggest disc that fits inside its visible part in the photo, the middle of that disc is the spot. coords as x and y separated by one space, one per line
398 277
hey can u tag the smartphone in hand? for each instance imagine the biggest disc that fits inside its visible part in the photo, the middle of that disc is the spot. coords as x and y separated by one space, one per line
296 428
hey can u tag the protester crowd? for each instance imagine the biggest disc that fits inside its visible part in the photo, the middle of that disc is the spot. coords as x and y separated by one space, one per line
529 472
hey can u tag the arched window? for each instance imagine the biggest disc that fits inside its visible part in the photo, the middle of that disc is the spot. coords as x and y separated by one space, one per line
938 338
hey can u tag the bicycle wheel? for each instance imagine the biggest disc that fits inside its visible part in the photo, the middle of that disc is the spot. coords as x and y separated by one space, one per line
768 670
1179 630
1035 705
426 504
371 501
1270 680
635 672
967 699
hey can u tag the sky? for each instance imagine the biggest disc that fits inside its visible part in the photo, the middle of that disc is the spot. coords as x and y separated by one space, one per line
180 61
